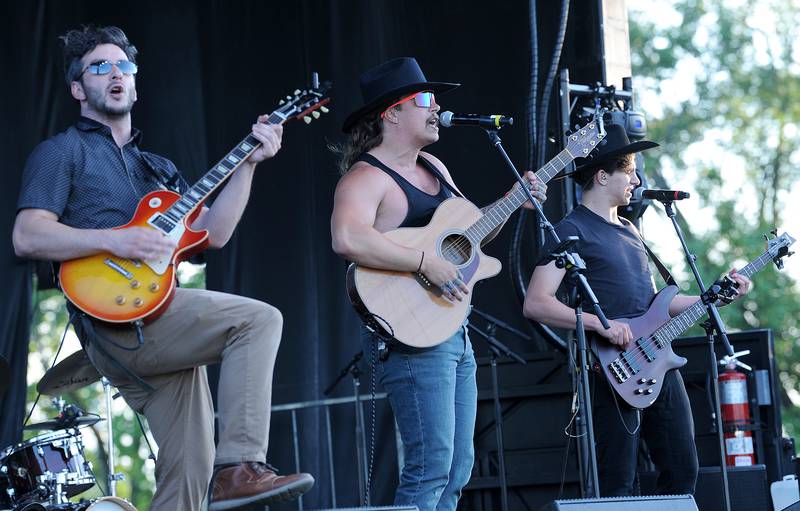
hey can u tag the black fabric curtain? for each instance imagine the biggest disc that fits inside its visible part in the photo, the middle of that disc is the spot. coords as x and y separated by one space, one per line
207 69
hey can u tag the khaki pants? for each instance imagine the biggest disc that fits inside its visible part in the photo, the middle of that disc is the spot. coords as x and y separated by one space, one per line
199 328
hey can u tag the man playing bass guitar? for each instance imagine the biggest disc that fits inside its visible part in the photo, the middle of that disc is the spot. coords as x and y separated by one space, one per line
618 272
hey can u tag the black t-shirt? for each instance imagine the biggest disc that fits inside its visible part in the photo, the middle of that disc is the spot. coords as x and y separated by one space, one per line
616 262
82 176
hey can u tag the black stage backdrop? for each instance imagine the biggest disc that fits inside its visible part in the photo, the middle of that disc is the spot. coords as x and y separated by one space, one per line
206 70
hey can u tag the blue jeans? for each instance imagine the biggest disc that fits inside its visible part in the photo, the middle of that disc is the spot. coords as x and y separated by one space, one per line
434 398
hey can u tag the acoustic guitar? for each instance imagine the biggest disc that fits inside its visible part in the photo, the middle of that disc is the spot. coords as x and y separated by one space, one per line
405 306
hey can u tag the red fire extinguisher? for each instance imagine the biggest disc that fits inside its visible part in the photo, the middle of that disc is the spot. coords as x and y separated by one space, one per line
736 412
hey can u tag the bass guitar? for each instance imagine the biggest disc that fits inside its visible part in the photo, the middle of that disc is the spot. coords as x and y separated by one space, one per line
405 306
637 373
118 290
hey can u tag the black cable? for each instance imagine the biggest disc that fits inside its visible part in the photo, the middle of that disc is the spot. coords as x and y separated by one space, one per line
537 155
548 85
147 440
55 359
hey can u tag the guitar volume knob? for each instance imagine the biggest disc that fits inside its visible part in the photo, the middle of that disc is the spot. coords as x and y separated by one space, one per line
137 302
120 300
135 284
153 287
652 381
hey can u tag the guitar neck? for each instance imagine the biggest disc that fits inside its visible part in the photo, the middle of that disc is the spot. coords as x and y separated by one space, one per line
218 174
499 212
680 323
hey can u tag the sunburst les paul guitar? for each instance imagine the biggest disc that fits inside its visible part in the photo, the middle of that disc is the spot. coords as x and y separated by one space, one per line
118 290
637 373
405 305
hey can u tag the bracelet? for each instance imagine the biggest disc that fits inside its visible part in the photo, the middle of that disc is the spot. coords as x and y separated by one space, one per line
420 262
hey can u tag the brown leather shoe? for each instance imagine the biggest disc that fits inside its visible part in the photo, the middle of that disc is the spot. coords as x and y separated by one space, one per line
245 484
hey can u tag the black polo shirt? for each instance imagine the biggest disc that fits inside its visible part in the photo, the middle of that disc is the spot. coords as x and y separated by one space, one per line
616 262
82 176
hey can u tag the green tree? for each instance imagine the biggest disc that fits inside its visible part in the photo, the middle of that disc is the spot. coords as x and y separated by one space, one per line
740 64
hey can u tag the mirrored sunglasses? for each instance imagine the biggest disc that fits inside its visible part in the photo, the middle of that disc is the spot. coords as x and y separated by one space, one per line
104 67
422 99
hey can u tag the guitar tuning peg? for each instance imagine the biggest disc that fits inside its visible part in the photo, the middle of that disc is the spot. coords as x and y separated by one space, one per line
281 102
324 109
315 114
288 97
296 92
307 119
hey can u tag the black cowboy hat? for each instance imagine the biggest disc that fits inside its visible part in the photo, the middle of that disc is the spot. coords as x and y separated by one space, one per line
382 85
613 145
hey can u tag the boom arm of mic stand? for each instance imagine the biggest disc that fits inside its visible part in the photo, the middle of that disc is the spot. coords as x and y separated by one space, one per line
499 346
343 373
572 259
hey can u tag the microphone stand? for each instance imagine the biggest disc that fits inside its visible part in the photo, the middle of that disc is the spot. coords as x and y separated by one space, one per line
575 267
714 323
495 348
361 440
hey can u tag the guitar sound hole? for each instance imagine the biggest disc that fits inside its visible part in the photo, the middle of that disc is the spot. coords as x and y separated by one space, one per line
457 249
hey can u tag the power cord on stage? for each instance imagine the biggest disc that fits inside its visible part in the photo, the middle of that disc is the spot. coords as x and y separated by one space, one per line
147 440
377 338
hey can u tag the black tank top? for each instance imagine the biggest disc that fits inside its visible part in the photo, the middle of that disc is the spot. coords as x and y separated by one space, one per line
421 205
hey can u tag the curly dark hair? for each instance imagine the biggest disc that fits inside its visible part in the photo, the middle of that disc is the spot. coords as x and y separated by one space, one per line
366 134
79 42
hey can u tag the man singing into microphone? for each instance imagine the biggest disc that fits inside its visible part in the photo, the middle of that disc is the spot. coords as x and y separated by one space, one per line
389 182
617 270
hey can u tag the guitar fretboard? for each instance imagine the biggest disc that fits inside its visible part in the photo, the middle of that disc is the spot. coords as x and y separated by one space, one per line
680 323
221 171
499 212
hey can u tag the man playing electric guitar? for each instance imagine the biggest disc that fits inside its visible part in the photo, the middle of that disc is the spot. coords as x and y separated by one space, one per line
80 184
389 182
617 270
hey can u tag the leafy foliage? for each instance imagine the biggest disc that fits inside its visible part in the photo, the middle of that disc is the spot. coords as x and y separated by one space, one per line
727 76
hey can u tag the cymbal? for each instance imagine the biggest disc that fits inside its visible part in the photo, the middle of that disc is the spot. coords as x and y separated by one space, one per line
5 375
72 373
55 424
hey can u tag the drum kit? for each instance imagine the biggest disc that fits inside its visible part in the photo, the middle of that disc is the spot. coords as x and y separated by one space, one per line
44 472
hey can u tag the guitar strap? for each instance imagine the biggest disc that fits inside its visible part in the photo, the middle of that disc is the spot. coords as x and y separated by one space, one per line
433 170
665 274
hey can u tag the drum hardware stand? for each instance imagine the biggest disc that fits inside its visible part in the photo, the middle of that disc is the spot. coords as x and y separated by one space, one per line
575 267
495 348
112 476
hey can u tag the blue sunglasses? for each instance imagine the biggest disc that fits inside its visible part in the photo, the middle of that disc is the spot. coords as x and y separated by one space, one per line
104 67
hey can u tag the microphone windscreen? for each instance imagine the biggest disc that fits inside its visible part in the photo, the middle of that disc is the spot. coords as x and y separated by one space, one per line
445 119
637 193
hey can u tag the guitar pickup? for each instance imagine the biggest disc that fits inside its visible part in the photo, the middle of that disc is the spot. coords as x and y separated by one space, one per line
647 349
118 268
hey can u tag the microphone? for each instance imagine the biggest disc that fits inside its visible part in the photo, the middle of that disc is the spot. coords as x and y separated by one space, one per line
659 195
448 119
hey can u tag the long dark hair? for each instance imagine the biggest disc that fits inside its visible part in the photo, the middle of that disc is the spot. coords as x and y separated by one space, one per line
366 134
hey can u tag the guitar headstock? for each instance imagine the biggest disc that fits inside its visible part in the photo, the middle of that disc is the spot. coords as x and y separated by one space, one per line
584 139
778 247
306 104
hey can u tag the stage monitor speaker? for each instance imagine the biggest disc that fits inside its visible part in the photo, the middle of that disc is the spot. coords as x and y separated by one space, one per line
651 503
748 488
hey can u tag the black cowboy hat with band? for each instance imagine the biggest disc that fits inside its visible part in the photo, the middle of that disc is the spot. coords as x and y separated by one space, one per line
613 145
384 84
